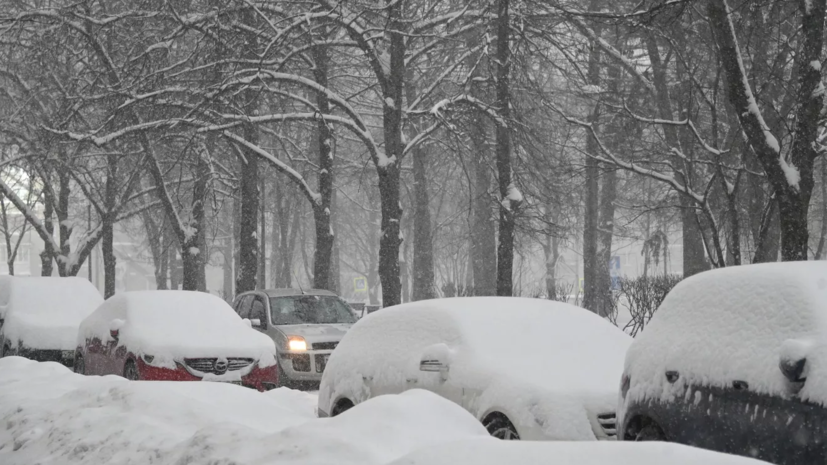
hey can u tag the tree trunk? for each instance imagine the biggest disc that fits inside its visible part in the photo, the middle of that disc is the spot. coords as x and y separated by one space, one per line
322 260
390 238
262 263
423 247
792 179
109 260
510 199
592 192
193 250
108 219
248 226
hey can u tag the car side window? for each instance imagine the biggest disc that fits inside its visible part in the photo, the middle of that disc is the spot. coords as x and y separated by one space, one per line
243 308
258 311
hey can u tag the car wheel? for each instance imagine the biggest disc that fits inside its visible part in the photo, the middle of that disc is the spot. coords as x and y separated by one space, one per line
650 432
130 371
341 407
500 427
79 365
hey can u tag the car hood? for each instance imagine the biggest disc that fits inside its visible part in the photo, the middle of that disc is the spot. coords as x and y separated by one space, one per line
317 333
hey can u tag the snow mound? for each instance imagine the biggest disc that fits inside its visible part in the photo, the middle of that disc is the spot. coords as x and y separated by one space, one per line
494 452
45 312
173 325
735 324
52 415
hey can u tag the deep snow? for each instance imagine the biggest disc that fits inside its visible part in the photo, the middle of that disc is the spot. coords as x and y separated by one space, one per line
51 415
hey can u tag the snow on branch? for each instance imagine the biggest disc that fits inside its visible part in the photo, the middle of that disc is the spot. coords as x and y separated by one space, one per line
314 197
686 122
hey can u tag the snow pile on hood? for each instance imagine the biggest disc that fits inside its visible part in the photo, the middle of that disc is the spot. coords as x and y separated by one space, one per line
45 312
173 325
734 324
493 452
51 415
543 362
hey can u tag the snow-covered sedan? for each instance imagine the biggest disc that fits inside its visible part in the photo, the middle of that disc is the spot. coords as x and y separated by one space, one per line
174 336
39 316
526 368
735 360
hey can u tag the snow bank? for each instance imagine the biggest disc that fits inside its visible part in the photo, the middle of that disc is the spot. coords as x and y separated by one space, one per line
494 452
45 312
54 416
537 361
173 325
734 324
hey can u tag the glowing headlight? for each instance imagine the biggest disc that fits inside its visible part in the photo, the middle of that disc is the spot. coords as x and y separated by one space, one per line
296 343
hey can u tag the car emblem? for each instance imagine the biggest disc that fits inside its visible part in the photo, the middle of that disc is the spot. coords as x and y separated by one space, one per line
220 366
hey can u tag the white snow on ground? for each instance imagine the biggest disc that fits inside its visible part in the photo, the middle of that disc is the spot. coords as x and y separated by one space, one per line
493 452
173 325
45 312
51 415
735 324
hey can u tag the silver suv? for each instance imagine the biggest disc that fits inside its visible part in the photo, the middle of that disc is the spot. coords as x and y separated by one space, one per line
305 324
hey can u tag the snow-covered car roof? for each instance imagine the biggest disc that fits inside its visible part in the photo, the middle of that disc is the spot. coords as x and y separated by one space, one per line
734 324
559 358
45 312
176 325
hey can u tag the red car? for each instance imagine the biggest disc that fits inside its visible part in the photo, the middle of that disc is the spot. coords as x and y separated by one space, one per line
174 336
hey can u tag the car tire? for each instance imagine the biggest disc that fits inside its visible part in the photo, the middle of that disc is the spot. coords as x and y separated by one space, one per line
130 371
500 427
650 432
342 406
79 365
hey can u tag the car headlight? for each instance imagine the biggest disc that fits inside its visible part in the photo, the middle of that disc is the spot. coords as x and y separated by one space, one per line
148 358
296 343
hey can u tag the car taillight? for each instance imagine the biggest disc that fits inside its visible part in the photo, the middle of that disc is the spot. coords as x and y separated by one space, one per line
625 382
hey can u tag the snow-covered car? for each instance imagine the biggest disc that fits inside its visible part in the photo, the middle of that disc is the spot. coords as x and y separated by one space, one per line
526 368
735 360
40 316
306 325
174 336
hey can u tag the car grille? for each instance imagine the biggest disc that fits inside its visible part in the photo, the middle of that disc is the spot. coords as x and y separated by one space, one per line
207 365
608 422
325 345
301 362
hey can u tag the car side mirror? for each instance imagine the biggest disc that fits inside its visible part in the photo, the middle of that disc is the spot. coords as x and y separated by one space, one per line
793 370
792 360
256 322
436 359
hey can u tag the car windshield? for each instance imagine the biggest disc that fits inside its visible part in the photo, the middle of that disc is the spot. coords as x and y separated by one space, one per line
309 309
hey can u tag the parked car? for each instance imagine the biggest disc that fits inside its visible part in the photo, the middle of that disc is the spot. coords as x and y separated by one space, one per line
735 360
174 336
526 368
306 326
39 316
